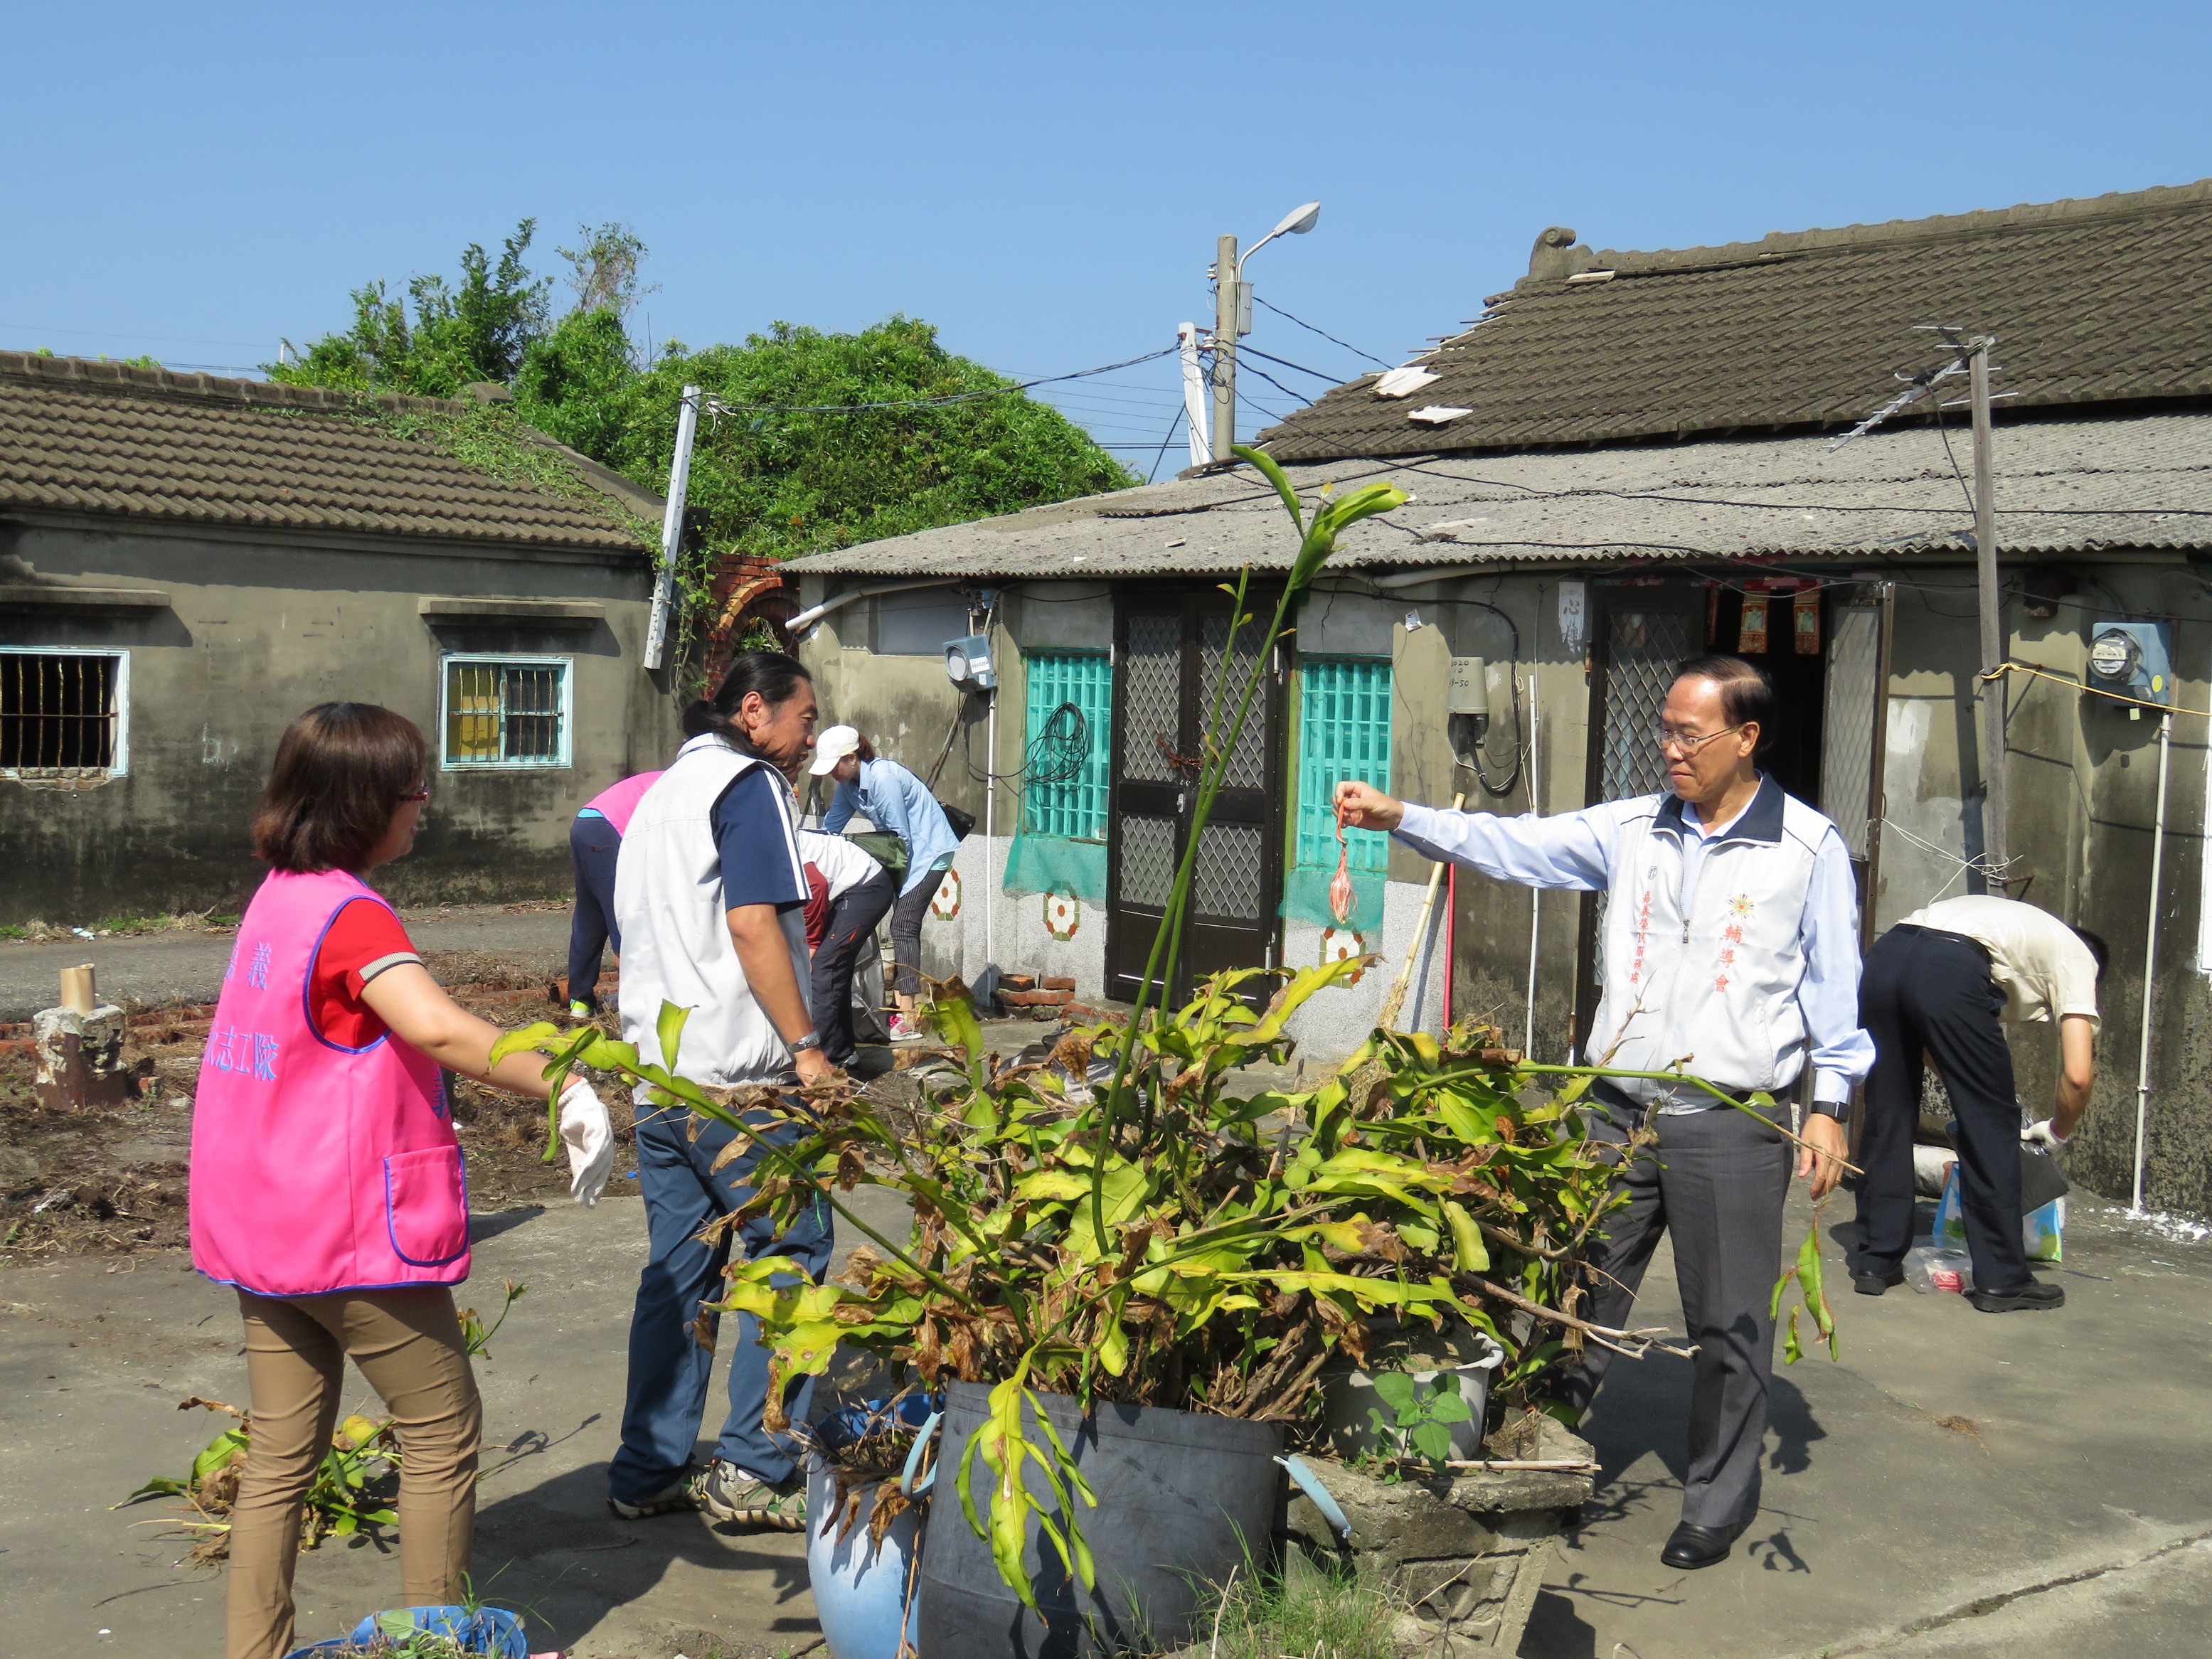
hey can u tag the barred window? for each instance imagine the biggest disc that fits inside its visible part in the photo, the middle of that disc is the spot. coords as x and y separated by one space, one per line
1067 756
506 712
62 712
1343 731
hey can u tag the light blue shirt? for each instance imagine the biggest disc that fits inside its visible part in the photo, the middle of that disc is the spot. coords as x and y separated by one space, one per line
1578 851
897 802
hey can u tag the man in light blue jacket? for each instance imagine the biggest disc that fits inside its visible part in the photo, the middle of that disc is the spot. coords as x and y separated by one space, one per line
1731 953
899 803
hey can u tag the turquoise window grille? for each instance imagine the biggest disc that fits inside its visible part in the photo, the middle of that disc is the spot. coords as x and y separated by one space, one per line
1343 731
1076 807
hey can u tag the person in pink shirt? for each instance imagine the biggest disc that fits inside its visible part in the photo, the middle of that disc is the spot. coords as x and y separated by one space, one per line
327 1185
594 843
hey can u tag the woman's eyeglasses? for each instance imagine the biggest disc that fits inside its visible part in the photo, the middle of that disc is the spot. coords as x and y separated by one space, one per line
423 793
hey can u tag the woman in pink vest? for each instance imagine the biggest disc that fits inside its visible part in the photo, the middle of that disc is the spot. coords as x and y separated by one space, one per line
594 843
327 1185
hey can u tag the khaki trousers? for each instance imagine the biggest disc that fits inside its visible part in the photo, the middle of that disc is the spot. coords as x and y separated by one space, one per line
408 1344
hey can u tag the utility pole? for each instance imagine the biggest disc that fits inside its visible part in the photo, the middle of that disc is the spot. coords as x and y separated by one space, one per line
671 529
1227 294
1193 397
1993 628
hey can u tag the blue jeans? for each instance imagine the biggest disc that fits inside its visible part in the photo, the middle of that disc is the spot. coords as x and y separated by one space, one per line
669 1369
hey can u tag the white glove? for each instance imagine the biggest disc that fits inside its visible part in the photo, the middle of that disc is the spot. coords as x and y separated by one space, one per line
2043 1134
590 1140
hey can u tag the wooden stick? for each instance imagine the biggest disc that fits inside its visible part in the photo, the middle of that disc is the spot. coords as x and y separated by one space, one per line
1567 1465
1393 1003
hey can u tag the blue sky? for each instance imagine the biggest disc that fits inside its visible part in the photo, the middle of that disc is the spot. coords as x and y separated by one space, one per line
1044 182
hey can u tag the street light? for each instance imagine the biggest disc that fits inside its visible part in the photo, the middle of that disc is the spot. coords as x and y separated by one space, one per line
1232 318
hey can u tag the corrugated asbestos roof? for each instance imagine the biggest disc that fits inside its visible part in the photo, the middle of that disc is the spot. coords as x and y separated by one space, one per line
190 449
2092 301
2065 487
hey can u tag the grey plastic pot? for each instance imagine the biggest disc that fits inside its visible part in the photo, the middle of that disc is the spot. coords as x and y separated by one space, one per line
1182 1499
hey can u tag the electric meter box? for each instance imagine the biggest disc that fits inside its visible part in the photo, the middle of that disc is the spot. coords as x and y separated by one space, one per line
1469 692
968 661
2134 659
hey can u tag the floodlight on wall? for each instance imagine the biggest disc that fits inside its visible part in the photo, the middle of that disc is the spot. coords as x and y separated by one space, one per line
968 663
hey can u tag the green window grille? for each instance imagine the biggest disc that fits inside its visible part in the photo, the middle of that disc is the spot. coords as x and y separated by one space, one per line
1074 807
1343 731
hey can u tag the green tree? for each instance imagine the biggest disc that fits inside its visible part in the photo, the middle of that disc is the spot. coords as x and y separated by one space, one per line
476 330
814 440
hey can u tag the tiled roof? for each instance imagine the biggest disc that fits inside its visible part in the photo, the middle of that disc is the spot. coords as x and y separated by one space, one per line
81 437
2065 487
2092 301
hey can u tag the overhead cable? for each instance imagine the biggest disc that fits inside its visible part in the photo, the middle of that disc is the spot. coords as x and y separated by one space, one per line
1323 332
718 405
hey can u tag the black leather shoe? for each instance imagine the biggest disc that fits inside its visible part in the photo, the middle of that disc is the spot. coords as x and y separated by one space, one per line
2029 1298
1875 1284
1691 1547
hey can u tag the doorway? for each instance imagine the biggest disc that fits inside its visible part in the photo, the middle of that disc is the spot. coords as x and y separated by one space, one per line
1171 653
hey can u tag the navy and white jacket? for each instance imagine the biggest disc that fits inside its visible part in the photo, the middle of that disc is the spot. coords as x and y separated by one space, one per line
1732 956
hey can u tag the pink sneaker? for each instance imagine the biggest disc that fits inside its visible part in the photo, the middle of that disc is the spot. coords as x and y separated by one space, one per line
904 1030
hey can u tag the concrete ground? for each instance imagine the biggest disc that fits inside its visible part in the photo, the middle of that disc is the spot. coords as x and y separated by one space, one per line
146 969
1960 1484
97 1353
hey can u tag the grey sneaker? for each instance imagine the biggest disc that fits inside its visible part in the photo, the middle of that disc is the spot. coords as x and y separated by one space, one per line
731 1495
679 1494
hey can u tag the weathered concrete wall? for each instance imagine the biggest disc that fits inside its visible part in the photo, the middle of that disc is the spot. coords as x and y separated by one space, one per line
260 630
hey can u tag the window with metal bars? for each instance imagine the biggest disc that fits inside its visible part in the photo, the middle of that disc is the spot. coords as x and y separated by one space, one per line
62 712
1068 757
506 712
1343 731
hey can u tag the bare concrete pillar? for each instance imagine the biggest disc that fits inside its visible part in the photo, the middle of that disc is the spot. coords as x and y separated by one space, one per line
77 1048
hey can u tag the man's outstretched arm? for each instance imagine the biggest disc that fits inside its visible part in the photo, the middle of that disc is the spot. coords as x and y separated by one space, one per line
1574 850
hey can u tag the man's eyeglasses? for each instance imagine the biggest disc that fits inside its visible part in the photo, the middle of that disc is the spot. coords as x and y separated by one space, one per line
1678 743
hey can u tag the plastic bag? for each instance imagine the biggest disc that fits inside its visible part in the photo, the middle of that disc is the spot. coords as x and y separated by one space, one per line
2042 1232
1934 1267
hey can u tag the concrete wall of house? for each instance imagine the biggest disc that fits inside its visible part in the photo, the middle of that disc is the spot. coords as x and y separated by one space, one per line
257 631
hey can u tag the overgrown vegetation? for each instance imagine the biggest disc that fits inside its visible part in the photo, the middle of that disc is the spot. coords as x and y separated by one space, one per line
1301 1616
770 476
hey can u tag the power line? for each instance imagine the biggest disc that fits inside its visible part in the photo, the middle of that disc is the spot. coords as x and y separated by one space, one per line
719 406
1323 332
1255 351
1165 442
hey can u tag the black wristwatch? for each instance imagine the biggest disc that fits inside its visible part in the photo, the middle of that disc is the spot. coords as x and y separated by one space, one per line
1838 1110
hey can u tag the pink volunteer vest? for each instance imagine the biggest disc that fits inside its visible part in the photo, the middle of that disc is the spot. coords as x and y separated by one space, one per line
316 1168
618 806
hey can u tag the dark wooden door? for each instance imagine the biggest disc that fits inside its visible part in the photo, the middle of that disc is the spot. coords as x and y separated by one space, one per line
1171 653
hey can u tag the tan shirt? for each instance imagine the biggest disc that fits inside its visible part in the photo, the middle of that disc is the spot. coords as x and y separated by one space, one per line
2040 964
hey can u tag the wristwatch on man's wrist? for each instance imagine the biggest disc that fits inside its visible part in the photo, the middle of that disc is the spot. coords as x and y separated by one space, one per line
812 1040
1838 1110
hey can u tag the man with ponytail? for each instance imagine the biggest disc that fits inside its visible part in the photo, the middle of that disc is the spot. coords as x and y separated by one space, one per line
710 893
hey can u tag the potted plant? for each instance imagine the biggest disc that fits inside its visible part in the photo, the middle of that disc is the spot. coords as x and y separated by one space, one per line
1129 1289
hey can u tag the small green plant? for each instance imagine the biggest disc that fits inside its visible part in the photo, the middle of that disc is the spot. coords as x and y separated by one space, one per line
1421 1416
344 1497
1306 1614
473 1332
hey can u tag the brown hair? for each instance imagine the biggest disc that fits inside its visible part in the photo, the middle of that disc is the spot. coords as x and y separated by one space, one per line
343 770
862 748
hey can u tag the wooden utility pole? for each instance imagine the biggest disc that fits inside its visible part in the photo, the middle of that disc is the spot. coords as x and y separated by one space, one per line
1225 298
1993 627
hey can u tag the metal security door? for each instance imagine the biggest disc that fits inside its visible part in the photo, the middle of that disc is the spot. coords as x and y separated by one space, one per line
1172 654
1856 731
1640 635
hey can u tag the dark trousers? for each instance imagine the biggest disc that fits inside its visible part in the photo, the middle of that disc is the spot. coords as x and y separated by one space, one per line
593 846
906 934
854 914
669 1368
1715 1184
1923 989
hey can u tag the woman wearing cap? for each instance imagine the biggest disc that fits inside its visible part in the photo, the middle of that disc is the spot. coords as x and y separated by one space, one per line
899 803
854 893
327 1185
